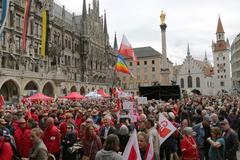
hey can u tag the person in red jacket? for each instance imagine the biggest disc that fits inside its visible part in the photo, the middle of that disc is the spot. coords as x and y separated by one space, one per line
51 138
5 148
188 145
21 136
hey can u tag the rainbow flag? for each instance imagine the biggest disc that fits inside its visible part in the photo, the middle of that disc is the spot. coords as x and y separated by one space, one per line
25 24
121 65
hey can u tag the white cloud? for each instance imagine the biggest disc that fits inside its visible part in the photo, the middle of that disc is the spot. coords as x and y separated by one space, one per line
189 21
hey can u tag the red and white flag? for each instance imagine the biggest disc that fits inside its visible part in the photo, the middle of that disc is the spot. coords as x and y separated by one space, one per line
166 128
150 152
131 151
126 49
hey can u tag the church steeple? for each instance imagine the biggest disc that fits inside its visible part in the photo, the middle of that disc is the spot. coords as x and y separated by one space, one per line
220 26
84 10
105 30
115 47
105 23
220 31
188 50
205 57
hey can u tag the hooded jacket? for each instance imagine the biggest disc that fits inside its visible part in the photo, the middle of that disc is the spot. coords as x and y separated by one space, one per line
107 155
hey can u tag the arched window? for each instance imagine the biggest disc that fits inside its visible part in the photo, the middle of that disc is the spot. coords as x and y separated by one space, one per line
182 82
197 82
189 81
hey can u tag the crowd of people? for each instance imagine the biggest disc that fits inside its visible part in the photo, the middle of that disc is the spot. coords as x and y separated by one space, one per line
208 128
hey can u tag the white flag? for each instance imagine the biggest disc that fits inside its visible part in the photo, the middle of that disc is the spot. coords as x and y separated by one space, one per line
131 151
166 128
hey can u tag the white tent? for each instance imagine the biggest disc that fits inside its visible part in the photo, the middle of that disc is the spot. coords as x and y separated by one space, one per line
93 95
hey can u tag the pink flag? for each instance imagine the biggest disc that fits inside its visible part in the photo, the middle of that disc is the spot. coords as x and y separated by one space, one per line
149 155
127 50
131 151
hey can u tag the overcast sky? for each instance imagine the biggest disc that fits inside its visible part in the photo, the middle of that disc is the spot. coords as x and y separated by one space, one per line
188 21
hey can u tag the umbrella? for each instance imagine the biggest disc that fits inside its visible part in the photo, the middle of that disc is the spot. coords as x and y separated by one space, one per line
102 93
74 96
93 95
39 96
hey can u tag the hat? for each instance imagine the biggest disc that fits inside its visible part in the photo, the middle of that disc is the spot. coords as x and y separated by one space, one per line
2 121
207 118
21 120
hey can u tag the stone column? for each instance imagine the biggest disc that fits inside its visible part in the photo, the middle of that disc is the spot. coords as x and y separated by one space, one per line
164 64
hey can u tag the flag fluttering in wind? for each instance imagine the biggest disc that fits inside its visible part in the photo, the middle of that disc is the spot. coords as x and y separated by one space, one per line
131 151
121 65
126 49
5 7
25 23
149 155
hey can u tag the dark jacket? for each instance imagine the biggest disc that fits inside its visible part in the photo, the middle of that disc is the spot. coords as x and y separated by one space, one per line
67 142
231 141
102 131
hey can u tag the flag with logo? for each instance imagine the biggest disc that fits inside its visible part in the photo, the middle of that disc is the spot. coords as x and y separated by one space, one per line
166 128
126 49
131 151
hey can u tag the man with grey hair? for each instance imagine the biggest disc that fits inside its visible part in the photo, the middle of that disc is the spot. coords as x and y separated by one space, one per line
106 129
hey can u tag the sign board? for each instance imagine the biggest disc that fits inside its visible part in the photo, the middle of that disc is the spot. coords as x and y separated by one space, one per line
127 105
142 100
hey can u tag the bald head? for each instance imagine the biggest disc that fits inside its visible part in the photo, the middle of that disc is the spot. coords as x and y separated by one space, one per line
50 121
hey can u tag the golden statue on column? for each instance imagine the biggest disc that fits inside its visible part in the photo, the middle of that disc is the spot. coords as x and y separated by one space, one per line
162 17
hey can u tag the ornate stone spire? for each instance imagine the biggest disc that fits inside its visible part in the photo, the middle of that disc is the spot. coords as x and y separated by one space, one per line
188 50
105 23
84 10
115 43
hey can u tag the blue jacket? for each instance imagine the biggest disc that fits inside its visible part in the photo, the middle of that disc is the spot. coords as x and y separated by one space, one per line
200 134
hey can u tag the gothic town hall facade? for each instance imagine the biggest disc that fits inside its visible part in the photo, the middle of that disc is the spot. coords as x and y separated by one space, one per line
78 57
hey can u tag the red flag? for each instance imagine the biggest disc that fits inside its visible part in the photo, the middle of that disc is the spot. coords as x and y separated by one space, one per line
127 50
118 104
131 151
2 102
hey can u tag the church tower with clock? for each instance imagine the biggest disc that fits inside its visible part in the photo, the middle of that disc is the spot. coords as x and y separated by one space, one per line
221 60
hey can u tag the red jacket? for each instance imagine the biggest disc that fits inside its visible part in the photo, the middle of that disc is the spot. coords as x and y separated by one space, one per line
6 151
18 133
63 129
51 139
189 148
25 144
